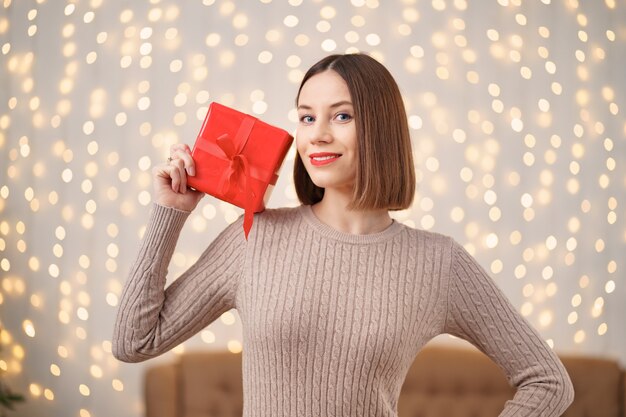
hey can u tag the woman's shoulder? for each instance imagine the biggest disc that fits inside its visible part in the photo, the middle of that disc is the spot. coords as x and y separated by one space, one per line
429 237
278 215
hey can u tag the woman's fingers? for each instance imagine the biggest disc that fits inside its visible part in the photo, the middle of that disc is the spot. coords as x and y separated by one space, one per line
179 147
188 163
182 164
170 180
179 176
168 175
182 151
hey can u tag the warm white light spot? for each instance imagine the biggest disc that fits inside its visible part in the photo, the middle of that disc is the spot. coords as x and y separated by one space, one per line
117 385
84 390
372 39
609 286
96 371
545 318
207 336
290 21
493 35
240 21
610 35
235 346
259 107
611 267
579 337
273 36
457 214
328 12
35 390
491 241
517 125
143 103
496 266
442 73
438 5
63 352
573 224
495 214
572 317
29 328
33 263
547 273
265 57
227 59
329 45
228 318
527 200
82 313
583 282
527 309
551 242
490 197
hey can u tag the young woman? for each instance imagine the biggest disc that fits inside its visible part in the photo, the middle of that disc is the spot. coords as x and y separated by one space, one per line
335 297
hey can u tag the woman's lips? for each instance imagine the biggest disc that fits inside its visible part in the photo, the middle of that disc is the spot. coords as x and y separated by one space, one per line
320 159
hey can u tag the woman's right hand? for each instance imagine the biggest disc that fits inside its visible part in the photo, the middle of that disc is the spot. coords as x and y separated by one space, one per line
170 180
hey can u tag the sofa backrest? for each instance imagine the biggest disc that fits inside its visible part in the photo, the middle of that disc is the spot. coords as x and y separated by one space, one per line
211 385
451 382
442 382
599 386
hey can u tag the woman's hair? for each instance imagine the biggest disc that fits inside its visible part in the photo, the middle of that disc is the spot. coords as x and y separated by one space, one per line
385 174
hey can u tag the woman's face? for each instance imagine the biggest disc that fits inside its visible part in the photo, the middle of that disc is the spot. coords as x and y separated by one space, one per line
326 135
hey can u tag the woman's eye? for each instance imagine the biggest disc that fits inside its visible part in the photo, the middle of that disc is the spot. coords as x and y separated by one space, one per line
306 119
343 117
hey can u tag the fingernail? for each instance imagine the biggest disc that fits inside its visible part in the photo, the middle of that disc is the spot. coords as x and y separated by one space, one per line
191 171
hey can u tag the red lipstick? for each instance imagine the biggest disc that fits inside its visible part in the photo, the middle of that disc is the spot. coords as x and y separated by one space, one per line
323 158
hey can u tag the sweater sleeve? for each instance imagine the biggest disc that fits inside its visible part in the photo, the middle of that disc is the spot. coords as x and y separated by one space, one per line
480 313
151 319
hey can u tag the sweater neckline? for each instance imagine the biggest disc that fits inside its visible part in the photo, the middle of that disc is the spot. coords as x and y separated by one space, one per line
327 231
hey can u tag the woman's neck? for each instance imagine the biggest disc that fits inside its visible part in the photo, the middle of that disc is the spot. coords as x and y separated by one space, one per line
333 211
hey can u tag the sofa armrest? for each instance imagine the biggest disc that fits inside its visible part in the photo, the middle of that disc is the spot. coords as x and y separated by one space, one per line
623 393
161 390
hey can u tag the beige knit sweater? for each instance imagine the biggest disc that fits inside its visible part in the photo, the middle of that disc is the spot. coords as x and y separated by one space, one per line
331 321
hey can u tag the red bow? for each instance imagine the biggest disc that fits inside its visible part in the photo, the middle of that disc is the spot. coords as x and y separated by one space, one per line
232 176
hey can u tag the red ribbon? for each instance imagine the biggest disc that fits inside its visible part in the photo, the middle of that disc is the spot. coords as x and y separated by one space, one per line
237 176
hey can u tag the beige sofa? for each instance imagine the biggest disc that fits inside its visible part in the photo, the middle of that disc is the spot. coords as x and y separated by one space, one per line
443 381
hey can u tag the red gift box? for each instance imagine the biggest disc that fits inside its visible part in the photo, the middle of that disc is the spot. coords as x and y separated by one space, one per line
238 158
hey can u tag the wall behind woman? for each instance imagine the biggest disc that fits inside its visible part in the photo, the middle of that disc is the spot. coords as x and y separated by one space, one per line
517 117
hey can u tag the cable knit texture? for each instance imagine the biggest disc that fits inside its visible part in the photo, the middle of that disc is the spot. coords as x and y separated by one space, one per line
331 321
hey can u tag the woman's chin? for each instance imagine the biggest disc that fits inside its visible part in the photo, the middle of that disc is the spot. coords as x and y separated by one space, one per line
322 182
330 185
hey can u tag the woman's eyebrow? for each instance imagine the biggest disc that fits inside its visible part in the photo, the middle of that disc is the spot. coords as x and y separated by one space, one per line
332 106
341 103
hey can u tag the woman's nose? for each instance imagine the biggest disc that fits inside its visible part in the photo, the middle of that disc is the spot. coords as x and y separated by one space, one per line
320 133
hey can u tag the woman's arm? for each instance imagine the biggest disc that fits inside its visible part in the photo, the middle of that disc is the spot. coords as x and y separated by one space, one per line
480 313
152 320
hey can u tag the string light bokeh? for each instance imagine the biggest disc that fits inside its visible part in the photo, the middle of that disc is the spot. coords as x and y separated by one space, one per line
516 111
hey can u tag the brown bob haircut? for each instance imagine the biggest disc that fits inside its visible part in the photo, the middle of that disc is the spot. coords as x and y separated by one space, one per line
385 174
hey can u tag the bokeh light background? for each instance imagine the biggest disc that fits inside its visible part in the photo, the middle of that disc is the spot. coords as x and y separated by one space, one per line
516 112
